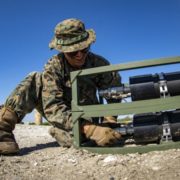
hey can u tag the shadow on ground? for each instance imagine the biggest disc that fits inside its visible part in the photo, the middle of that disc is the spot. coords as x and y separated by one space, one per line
28 150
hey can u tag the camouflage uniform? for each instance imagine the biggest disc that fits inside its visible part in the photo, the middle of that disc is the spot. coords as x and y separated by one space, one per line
50 91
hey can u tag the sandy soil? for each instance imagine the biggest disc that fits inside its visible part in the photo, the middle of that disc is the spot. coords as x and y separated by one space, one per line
42 158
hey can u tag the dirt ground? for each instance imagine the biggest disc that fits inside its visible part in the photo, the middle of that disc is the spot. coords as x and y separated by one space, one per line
42 158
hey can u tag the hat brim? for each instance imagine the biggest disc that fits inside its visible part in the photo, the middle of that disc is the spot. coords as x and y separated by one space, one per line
74 47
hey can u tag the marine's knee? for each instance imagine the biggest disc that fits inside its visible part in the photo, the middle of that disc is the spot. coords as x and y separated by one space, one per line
64 138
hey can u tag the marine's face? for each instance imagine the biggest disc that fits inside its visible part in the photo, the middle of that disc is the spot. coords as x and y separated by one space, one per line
77 59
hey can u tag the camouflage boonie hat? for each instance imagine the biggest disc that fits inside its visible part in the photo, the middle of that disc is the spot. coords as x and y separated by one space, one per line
71 35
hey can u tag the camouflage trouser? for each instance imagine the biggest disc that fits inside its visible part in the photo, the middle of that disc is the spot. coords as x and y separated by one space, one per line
27 96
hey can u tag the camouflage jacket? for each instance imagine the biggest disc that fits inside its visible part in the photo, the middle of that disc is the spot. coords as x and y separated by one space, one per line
56 92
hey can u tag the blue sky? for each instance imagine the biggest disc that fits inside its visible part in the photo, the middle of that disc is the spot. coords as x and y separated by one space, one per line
127 30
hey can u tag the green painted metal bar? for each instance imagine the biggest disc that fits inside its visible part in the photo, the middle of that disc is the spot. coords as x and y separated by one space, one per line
134 149
76 132
153 105
130 65
76 128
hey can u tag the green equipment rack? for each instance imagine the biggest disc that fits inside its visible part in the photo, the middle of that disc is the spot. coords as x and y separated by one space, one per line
100 110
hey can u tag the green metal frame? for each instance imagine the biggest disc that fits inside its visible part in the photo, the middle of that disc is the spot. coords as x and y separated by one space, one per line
153 105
